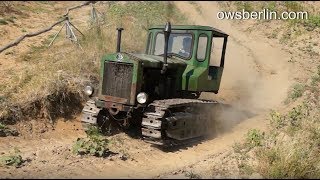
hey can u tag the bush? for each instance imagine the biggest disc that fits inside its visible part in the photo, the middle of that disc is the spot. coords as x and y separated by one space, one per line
294 151
95 144
3 22
293 6
5 131
192 175
254 138
282 161
14 159
277 120
91 146
246 6
296 115
296 91
312 22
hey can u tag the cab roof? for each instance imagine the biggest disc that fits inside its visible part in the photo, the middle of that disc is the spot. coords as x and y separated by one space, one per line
215 31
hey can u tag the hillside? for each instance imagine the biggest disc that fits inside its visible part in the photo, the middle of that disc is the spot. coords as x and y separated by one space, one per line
272 73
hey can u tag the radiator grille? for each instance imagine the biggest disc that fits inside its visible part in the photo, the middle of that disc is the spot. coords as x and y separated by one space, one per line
117 79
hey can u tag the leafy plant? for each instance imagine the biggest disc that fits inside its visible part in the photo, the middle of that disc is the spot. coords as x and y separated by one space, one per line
246 6
254 138
95 147
297 91
277 120
93 131
3 22
95 144
293 6
5 131
295 116
14 159
192 175
271 5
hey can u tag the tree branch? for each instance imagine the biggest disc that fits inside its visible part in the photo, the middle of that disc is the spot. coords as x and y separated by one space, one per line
75 7
18 40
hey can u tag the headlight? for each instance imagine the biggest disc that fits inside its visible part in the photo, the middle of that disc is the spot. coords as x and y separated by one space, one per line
142 98
88 90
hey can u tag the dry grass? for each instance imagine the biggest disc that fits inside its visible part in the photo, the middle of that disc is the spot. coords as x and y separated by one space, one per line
51 82
290 149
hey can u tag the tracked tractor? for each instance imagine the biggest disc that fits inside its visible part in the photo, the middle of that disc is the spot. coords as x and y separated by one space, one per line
158 91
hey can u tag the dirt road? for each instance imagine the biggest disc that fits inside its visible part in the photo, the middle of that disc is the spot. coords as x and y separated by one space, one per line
256 78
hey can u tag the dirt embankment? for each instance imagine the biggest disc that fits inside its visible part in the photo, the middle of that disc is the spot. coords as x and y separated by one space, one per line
256 78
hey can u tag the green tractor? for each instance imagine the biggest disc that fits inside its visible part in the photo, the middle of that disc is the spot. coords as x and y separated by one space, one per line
157 92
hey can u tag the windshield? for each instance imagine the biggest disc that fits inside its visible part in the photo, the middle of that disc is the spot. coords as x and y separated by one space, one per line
179 44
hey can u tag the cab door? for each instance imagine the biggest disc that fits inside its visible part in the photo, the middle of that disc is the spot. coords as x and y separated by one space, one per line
216 63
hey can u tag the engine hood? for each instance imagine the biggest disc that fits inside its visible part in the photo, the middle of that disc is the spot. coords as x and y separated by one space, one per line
145 59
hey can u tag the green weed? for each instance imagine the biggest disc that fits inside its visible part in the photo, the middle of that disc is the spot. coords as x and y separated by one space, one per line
192 175
246 6
293 6
277 120
5 131
95 144
312 22
254 138
3 22
297 91
14 159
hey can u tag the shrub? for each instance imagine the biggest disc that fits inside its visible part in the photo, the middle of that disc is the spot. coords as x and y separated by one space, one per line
3 22
254 138
13 159
5 131
297 91
192 175
277 120
295 115
95 144
293 6
246 6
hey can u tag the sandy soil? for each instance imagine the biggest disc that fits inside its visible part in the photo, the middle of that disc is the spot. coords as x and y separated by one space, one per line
256 78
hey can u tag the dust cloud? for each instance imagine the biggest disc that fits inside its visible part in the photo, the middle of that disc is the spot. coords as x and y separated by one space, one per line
255 77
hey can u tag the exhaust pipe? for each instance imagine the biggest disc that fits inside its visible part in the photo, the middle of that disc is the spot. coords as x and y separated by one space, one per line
119 39
166 31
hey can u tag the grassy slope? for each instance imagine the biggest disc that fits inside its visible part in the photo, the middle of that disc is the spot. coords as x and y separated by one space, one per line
51 81
290 148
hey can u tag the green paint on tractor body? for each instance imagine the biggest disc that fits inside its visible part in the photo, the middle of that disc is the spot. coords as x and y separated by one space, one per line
124 75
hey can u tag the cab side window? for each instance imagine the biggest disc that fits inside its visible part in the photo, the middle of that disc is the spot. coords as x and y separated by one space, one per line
216 51
202 47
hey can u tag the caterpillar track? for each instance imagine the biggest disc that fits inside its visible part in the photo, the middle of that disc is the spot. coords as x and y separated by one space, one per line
89 114
174 122
168 122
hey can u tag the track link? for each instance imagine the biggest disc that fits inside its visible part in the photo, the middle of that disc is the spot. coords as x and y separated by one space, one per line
174 122
89 114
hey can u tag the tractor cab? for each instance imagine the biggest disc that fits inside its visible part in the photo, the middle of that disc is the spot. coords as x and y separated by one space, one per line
202 48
